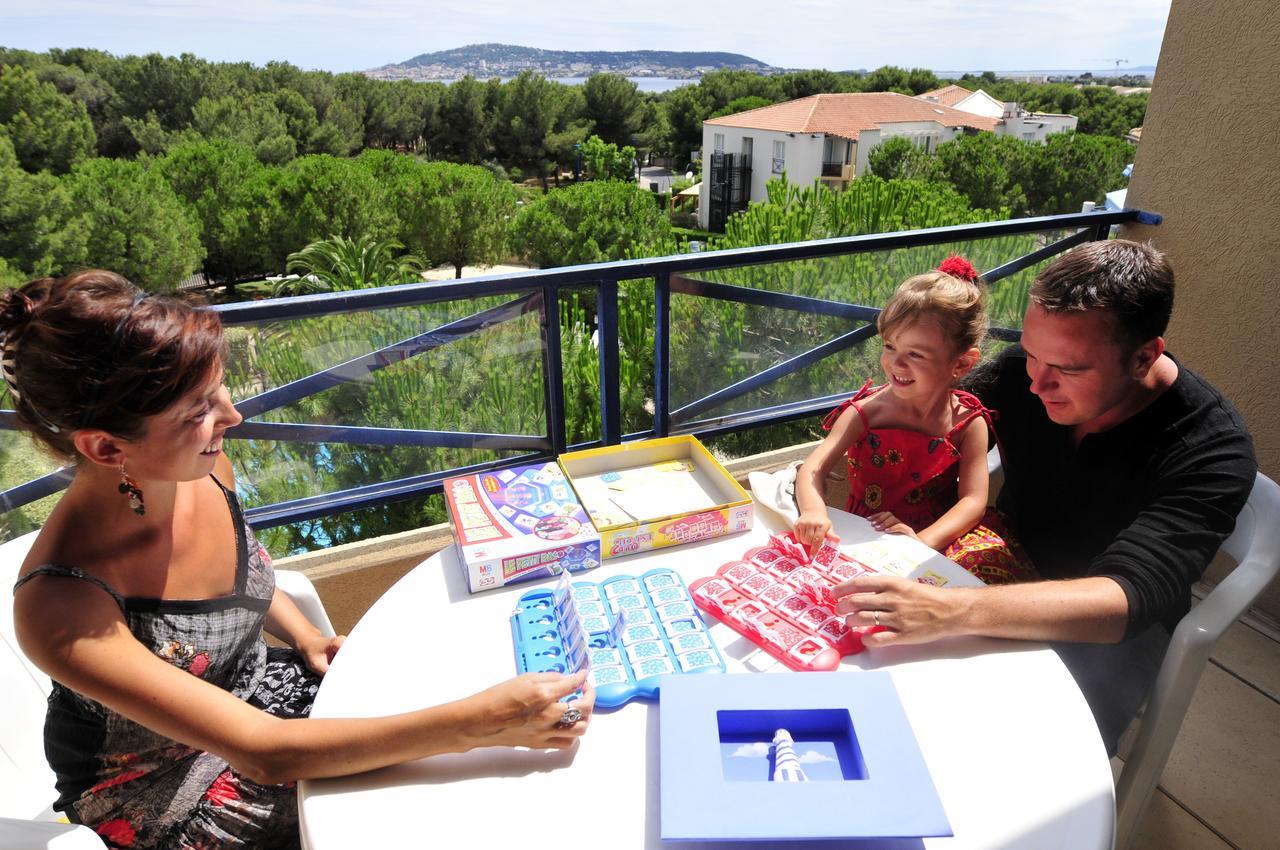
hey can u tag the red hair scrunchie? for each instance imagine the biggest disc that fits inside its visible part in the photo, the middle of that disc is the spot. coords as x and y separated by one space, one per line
958 266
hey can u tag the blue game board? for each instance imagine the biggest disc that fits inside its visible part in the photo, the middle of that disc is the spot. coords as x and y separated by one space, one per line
630 631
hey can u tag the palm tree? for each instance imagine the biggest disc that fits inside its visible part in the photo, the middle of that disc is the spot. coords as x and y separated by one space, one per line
338 263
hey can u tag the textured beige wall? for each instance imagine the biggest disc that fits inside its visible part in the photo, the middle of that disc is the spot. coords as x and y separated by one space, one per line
1209 162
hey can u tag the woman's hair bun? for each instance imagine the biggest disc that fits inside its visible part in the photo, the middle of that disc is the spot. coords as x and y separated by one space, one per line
16 308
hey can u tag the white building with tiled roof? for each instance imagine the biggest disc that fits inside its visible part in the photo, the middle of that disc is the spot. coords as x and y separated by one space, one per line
959 97
1014 120
828 137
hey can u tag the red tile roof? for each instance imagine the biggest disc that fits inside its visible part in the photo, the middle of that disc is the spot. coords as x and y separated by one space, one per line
847 115
947 95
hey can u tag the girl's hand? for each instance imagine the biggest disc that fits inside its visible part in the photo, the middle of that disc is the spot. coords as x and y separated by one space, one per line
813 527
890 524
318 651
526 712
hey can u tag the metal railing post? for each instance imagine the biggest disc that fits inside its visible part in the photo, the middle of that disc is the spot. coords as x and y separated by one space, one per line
662 355
553 368
610 380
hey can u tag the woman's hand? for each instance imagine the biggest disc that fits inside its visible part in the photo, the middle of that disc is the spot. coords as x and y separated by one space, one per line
527 712
813 527
890 524
318 651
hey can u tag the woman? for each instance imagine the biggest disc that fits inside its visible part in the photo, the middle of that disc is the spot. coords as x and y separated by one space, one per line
145 595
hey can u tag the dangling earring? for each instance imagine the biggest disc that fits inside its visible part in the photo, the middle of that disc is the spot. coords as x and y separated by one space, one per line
130 487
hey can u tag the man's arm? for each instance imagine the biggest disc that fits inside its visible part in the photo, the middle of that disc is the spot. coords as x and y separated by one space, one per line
1084 610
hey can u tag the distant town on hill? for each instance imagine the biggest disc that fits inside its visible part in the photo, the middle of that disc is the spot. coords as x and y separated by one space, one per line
508 60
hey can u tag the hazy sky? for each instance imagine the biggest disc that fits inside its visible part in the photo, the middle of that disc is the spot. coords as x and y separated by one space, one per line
344 35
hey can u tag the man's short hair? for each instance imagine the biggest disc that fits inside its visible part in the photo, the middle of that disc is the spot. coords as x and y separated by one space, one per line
1132 281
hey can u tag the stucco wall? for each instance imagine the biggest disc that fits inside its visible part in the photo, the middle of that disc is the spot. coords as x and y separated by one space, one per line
1208 164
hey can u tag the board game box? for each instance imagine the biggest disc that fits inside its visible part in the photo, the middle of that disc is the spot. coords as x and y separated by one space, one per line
654 493
519 524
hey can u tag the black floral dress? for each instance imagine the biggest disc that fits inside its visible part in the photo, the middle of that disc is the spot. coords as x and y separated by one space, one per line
139 789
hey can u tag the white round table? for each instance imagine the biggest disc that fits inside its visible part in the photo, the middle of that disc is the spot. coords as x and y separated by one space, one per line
1009 740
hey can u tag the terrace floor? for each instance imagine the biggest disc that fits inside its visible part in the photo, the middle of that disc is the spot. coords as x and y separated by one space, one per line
1219 789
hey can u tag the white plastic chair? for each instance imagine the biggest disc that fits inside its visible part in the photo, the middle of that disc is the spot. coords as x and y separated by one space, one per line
26 782
1255 547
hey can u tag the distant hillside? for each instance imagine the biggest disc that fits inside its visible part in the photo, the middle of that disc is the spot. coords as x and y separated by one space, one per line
503 60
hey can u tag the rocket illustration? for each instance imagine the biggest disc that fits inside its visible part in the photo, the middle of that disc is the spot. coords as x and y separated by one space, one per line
786 767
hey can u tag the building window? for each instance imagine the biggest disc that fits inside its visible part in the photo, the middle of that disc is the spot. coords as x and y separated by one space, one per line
779 157
717 143
747 144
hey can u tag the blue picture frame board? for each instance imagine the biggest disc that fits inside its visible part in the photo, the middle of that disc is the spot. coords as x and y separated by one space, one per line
867 777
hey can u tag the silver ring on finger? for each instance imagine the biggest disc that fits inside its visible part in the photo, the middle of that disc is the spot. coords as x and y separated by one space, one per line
875 617
571 715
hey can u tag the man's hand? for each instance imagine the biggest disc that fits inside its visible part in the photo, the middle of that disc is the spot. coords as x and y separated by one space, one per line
910 612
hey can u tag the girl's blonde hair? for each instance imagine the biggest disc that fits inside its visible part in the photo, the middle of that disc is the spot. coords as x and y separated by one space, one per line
957 305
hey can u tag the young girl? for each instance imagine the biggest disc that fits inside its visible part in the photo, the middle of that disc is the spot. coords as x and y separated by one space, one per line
145 595
917 447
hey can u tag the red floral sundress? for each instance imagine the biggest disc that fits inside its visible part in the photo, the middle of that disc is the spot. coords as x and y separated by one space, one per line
915 476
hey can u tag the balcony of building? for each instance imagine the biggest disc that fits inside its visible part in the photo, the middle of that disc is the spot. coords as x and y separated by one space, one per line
715 366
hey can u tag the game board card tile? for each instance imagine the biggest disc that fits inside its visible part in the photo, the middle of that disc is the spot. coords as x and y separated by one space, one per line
775 593
813 618
738 572
586 593
756 584
590 609
605 657
636 616
690 641
654 582
784 567
668 594
845 570
622 603
682 626
595 624
796 604
621 587
672 610
651 667
645 649
826 555
808 649
782 635
606 676
834 630
763 555
714 588
636 633
697 660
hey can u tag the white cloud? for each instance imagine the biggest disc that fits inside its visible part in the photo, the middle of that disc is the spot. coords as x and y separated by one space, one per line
813 757
757 750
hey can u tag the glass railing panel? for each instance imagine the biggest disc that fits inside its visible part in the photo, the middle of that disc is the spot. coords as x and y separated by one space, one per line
382 372
716 344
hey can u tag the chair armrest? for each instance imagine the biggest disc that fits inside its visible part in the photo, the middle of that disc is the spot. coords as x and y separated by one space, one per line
299 588
29 834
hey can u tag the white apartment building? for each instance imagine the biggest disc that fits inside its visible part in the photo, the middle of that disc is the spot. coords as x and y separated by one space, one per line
828 137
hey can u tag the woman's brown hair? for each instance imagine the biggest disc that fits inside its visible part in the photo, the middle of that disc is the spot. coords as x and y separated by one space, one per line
91 350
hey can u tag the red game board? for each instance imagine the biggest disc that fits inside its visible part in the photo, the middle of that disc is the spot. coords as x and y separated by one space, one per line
781 600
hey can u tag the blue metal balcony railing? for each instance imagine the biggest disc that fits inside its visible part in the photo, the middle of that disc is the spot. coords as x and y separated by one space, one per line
540 292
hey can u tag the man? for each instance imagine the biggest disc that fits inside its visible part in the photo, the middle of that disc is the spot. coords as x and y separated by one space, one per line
1124 472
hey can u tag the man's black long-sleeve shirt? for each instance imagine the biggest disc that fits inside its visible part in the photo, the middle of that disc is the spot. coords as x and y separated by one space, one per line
1146 503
